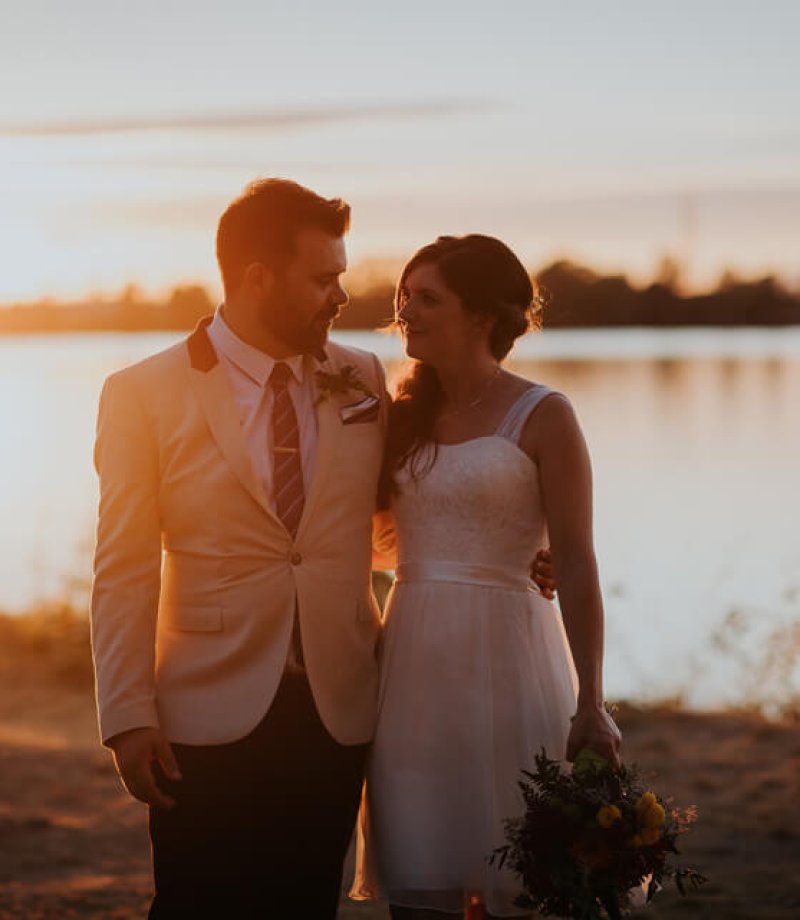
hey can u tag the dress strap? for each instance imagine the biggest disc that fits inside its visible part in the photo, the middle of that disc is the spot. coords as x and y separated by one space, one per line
514 421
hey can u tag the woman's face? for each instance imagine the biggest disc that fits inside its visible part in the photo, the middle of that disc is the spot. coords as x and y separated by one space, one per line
436 327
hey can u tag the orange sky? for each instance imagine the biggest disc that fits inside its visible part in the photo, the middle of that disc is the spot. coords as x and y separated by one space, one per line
614 134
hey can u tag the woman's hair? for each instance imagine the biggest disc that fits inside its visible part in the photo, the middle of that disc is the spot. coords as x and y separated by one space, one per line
491 282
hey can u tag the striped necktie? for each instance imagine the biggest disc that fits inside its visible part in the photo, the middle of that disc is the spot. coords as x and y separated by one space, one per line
287 467
287 476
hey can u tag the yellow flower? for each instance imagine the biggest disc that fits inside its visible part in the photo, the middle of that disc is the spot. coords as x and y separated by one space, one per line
650 811
650 835
654 817
645 803
608 815
645 838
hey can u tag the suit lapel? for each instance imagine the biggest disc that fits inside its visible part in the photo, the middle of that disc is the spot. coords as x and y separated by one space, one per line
210 385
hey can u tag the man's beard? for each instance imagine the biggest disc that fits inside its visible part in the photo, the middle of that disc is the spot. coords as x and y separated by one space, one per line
308 338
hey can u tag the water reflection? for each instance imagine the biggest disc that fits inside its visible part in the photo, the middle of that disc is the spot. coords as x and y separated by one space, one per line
695 463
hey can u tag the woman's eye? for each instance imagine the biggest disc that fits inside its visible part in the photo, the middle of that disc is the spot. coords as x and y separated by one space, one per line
424 298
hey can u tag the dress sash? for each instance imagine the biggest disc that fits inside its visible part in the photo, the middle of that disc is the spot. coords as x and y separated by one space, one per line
465 573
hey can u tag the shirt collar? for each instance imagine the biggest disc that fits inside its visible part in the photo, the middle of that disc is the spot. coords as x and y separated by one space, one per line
256 364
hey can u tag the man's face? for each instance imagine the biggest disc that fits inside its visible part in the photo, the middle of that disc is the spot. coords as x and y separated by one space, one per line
307 294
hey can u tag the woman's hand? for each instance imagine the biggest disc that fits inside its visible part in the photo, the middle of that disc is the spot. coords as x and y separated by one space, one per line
594 728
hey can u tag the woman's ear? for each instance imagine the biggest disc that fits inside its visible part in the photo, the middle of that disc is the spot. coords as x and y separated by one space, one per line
484 323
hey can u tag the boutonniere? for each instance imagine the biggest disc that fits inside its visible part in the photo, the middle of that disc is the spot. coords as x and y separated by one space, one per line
345 381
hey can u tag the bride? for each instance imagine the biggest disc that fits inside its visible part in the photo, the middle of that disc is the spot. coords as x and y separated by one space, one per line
482 469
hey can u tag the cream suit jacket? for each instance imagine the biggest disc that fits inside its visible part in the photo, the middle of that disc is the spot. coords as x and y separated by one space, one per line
196 579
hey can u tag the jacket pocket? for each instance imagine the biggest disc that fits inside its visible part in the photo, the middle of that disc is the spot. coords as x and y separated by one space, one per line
193 619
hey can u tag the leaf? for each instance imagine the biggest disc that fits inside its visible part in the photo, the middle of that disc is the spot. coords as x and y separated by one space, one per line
587 759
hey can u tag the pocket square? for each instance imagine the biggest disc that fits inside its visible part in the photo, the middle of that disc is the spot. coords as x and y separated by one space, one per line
365 410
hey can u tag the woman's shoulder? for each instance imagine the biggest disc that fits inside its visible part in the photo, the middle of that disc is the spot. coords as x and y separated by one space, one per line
551 424
525 399
533 396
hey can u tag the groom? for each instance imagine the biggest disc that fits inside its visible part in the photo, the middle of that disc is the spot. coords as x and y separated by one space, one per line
233 625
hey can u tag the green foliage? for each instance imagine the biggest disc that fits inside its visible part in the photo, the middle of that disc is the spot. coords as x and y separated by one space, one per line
344 381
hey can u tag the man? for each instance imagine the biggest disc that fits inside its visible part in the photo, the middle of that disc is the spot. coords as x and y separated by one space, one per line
234 629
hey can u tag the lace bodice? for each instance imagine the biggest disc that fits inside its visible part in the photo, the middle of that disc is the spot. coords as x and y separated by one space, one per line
479 502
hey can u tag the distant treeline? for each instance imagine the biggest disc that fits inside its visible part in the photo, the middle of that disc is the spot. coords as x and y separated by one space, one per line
579 297
575 296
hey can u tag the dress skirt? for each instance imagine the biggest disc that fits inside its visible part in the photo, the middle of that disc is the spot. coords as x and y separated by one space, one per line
477 679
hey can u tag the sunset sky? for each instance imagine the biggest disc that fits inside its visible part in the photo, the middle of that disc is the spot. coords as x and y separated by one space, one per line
613 133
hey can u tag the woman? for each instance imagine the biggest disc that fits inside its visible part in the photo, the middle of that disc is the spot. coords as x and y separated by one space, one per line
483 468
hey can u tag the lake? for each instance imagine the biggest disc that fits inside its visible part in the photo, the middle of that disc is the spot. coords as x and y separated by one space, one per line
695 442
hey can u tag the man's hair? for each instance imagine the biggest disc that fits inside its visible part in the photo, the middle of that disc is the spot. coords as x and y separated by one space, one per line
262 225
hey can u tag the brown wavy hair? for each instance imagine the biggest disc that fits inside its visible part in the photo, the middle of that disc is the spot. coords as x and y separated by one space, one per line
491 282
262 225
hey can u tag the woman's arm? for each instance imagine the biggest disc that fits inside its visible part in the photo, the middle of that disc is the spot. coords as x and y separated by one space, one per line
553 439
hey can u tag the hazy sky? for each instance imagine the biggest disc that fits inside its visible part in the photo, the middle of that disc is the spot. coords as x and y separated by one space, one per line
611 132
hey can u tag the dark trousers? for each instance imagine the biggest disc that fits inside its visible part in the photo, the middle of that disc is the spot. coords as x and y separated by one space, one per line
261 825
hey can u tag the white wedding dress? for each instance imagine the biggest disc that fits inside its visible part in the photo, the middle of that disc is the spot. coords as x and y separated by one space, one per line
476 678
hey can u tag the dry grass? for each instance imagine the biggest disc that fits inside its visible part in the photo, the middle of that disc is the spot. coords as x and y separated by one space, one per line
72 844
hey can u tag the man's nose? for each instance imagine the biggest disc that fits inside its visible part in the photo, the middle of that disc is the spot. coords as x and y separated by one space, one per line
340 296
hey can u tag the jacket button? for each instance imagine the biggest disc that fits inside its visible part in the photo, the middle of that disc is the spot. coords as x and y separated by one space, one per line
295 559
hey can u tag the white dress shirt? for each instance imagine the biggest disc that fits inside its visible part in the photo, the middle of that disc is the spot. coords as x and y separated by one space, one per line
248 371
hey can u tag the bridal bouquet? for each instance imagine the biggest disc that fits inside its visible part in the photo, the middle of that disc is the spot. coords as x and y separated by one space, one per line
592 839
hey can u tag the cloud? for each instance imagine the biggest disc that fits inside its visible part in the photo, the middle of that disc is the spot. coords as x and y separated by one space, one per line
263 120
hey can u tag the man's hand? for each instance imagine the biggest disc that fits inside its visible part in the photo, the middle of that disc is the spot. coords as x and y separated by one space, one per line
544 574
135 754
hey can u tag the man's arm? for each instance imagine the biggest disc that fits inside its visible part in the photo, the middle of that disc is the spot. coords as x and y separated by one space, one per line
127 579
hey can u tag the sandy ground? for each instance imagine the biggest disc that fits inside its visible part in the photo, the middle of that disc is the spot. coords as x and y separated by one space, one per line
73 844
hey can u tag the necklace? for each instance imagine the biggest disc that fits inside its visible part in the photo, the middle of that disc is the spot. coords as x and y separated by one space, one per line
457 410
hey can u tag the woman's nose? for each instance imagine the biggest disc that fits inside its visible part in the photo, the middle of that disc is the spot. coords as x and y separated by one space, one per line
404 313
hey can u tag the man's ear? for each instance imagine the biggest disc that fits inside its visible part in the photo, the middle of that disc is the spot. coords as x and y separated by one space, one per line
258 280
